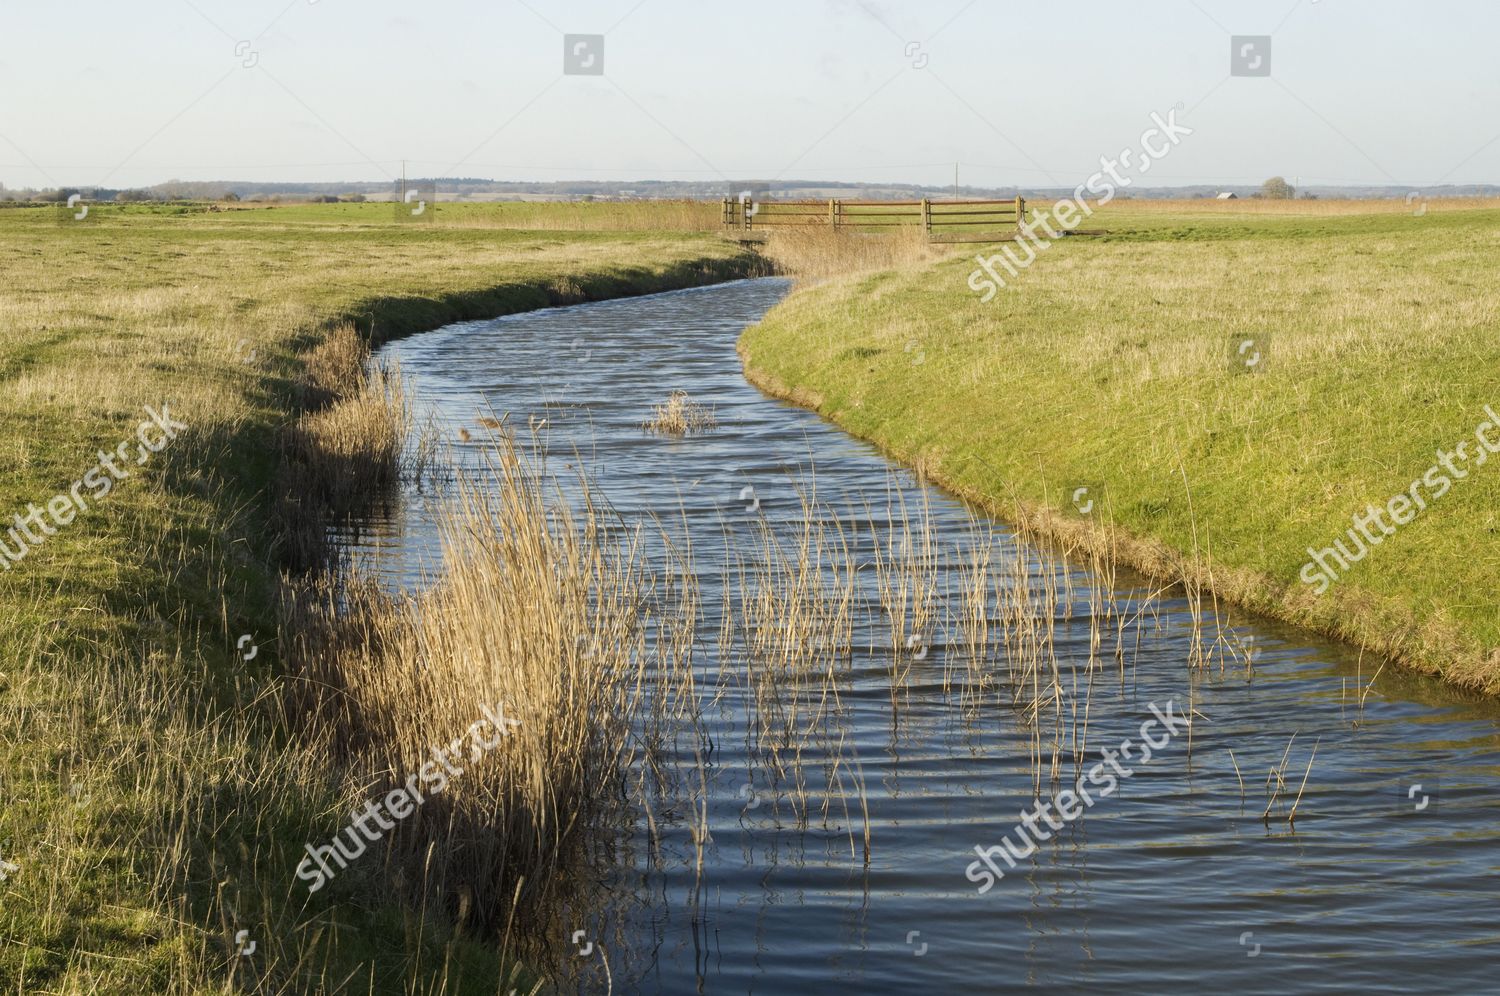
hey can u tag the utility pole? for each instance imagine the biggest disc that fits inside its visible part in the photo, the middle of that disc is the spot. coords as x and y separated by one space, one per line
955 181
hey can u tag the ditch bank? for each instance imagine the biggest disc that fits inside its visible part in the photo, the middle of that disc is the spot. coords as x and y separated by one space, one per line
776 358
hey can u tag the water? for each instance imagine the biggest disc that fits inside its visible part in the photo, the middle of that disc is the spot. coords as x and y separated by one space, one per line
1385 883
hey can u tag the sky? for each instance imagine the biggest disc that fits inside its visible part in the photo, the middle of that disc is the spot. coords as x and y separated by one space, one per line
1379 92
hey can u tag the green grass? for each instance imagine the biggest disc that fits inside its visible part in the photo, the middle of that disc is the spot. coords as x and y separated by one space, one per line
1108 364
153 805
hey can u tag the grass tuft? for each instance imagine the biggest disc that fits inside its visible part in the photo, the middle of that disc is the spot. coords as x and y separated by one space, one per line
680 415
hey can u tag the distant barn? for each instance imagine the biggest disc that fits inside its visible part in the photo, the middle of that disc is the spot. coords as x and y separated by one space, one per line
1229 196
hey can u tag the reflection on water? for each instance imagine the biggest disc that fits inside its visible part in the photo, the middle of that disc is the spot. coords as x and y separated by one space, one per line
811 829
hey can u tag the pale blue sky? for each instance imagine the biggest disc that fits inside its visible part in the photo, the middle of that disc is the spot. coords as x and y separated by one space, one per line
1362 91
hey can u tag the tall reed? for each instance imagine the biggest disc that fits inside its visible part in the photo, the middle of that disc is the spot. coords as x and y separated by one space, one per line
540 611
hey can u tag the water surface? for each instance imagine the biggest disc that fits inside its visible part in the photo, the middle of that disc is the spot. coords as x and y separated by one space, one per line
1386 882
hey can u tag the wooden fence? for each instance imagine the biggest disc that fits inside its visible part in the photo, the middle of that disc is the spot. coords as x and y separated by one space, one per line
943 221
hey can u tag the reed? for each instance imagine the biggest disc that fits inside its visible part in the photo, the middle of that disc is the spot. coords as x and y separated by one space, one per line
680 415
540 611
1291 817
819 252
548 605
335 368
797 595
976 617
907 569
343 457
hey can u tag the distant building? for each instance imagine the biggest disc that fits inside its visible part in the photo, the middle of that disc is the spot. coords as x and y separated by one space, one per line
1229 195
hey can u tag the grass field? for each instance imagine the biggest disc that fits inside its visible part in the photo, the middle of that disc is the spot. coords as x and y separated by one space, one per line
1113 364
153 808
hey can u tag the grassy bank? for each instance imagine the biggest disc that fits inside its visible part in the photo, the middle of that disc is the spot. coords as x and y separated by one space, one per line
154 811
1114 364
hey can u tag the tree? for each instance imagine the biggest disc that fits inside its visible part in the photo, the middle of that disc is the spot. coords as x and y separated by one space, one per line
1277 189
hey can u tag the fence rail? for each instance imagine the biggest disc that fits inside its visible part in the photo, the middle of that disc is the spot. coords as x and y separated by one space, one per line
943 221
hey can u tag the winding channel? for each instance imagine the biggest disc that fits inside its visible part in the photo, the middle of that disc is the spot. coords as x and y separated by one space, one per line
1386 882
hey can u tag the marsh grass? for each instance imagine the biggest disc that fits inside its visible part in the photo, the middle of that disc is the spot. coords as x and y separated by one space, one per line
334 368
907 569
355 446
547 604
984 621
346 456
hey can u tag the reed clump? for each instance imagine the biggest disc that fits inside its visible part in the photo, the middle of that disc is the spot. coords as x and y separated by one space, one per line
908 572
820 252
355 445
680 415
539 616
348 451
334 368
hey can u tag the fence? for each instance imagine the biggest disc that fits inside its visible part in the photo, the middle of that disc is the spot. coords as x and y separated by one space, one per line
943 221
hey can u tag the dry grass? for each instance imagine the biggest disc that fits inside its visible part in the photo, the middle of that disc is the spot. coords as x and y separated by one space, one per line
540 612
819 252
907 569
346 457
356 443
680 415
335 367
795 612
